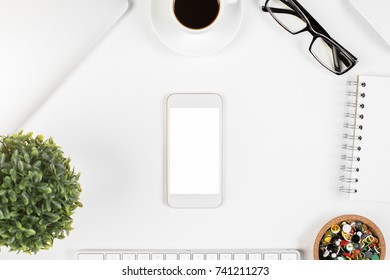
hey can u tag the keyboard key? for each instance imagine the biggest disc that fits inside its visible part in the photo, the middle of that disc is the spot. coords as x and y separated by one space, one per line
254 257
198 257
225 257
113 257
157 257
171 257
128 257
92 257
271 257
143 257
288 256
211 257
184 257
239 257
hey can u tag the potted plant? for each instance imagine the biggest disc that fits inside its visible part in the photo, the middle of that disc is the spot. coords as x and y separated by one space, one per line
39 192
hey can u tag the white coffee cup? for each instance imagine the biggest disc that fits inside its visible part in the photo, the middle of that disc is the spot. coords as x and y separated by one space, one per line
222 6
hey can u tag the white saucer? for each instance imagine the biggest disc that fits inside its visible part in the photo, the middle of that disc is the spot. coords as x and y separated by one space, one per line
176 38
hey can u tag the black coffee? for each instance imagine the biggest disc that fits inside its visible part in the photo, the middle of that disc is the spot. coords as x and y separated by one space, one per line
196 14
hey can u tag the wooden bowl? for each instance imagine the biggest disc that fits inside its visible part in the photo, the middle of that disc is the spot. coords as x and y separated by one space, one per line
351 218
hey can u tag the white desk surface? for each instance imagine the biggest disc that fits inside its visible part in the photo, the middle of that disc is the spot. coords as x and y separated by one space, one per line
283 119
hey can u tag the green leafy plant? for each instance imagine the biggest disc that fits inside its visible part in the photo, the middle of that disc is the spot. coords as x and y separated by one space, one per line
39 192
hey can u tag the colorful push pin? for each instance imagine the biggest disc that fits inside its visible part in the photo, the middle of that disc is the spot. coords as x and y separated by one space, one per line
349 247
347 256
375 249
369 239
347 228
364 236
368 254
328 233
335 229
330 247
326 254
323 246
355 238
346 236
327 239
375 257
356 253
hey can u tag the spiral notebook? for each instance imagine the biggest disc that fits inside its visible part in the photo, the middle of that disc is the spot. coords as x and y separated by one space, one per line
367 149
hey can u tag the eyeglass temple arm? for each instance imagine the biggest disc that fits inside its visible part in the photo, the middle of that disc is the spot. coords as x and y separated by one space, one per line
312 20
280 11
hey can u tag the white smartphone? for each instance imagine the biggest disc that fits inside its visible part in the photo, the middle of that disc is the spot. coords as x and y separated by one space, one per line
194 150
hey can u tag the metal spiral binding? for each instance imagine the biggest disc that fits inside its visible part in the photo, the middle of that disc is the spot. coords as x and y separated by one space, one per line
355 83
353 138
352 126
347 158
347 190
349 169
352 148
349 180
353 94
351 104
354 116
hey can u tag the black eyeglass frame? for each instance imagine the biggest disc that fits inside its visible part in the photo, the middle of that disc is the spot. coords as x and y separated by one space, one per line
315 29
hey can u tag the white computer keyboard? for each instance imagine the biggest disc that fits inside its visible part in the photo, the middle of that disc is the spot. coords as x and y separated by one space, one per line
279 254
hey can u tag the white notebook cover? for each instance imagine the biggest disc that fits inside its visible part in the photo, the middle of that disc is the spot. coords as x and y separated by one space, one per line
376 13
41 41
374 165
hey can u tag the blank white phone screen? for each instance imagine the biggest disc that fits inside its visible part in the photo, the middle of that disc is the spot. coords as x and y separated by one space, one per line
194 150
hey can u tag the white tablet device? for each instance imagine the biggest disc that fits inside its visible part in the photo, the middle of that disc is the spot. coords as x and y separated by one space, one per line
194 150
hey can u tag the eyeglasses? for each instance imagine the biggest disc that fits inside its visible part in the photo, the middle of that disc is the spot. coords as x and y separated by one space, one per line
295 19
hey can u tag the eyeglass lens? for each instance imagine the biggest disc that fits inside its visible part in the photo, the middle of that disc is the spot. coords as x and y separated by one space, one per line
283 12
330 55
